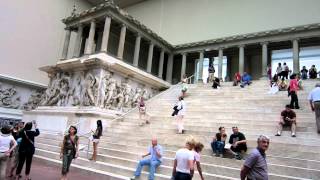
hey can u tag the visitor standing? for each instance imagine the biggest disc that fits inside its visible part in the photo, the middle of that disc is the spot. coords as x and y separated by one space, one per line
143 116
288 118
314 99
181 107
255 165
285 70
279 70
155 151
183 165
197 150
269 73
95 139
27 149
293 89
211 71
7 145
69 150
14 159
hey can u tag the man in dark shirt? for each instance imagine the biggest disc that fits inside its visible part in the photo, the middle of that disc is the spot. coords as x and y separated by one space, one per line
238 143
288 118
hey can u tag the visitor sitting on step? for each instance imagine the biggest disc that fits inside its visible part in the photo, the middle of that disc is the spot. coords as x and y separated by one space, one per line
255 166
246 80
288 118
236 79
216 83
313 72
218 142
155 152
238 143
274 88
196 150
283 86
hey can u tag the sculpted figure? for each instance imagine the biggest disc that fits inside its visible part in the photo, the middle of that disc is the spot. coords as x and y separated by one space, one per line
8 100
119 98
76 92
127 95
90 88
111 90
103 88
64 92
136 96
33 101
51 96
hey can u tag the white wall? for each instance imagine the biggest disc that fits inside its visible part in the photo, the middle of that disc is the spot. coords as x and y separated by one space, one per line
32 35
183 21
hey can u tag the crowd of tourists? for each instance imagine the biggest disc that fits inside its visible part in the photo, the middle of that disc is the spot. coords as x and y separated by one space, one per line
16 149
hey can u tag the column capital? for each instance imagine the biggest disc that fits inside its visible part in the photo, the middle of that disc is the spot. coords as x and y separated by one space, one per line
221 48
184 53
241 45
201 51
93 21
295 39
123 25
264 43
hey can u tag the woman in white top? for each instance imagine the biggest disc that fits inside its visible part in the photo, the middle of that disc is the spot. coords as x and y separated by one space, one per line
181 106
6 139
183 165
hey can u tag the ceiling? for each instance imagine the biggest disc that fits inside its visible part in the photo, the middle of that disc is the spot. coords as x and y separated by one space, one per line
120 3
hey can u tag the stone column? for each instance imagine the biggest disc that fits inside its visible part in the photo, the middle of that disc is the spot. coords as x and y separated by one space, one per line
122 41
77 46
66 44
241 59
89 47
183 64
201 56
295 56
136 51
161 64
169 69
220 63
106 32
264 59
150 57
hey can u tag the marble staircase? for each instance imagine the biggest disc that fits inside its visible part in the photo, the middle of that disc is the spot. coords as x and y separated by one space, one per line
251 109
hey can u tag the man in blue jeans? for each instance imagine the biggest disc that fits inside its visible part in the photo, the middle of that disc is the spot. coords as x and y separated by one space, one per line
218 142
155 151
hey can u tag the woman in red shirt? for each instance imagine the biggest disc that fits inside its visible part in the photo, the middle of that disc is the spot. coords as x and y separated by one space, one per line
293 89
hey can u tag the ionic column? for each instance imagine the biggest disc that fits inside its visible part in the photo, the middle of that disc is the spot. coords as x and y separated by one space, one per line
161 59
122 41
89 47
66 44
106 32
201 56
77 47
150 57
241 59
295 56
136 51
169 68
264 59
184 64
220 61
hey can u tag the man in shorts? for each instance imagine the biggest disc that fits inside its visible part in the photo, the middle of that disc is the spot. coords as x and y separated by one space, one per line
288 118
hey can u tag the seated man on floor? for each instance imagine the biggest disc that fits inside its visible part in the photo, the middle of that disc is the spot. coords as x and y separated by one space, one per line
283 85
238 143
218 142
155 151
246 80
288 118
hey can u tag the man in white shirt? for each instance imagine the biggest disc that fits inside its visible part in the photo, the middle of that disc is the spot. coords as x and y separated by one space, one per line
314 99
184 162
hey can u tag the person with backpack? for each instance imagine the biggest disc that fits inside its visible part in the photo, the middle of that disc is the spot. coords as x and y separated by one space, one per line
180 110
26 149
69 150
